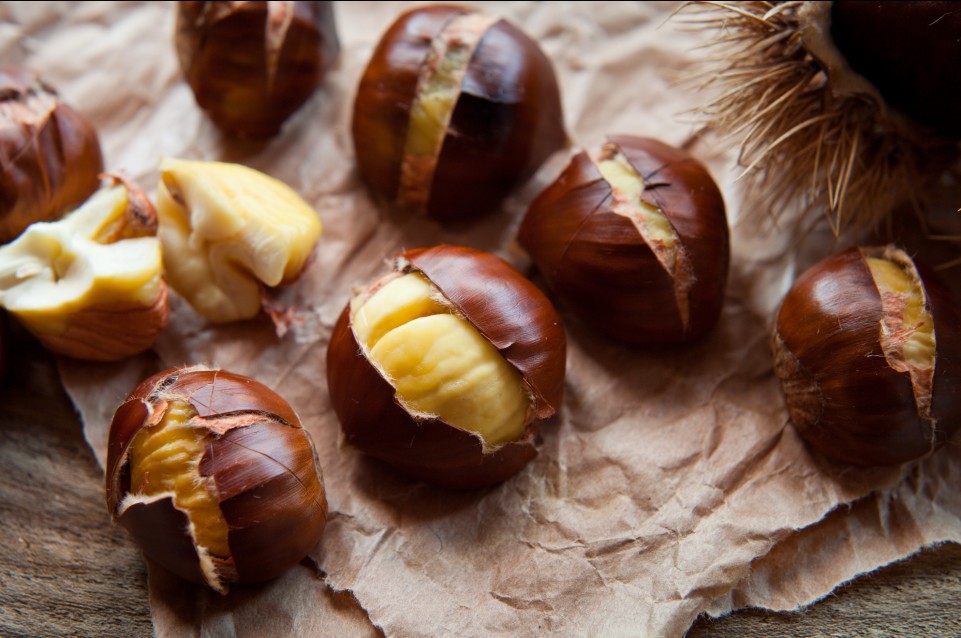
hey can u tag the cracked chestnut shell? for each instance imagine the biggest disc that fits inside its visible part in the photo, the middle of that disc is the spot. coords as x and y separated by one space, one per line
634 240
509 319
214 477
455 109
870 363
253 64
49 153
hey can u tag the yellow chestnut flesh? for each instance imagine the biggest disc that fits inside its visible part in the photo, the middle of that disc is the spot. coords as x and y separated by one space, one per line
165 459
907 330
91 285
627 186
227 230
438 88
439 364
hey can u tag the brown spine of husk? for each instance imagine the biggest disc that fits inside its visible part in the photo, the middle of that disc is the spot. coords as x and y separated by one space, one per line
814 138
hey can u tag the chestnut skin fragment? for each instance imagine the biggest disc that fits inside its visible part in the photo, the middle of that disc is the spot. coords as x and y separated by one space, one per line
602 267
845 398
253 64
921 76
507 118
512 314
268 486
49 153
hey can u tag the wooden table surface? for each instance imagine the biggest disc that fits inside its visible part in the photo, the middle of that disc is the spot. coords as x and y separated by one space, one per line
66 570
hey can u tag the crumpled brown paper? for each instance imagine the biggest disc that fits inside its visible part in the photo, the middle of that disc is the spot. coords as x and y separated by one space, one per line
669 485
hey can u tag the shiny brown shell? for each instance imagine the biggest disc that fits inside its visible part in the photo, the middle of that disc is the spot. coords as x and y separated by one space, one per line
263 464
49 154
505 308
602 268
506 122
253 64
844 398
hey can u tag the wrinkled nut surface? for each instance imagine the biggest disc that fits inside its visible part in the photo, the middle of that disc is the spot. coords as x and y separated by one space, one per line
867 348
214 477
253 64
49 153
91 285
443 367
227 231
455 109
634 239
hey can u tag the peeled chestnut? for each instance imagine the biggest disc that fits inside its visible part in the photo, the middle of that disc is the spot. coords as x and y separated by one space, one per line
634 239
252 64
50 154
214 477
442 367
867 349
455 109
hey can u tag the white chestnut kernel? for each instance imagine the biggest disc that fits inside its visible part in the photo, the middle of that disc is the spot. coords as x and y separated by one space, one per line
868 352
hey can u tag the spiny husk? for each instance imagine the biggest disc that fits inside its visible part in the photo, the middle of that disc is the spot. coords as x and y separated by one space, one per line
814 137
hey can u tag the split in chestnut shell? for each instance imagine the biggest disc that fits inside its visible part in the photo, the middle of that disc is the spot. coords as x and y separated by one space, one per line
640 254
854 391
491 96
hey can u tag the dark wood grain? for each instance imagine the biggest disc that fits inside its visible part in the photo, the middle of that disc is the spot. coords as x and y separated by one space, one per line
916 597
66 570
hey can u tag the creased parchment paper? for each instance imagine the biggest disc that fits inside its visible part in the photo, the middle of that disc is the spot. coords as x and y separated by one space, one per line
669 485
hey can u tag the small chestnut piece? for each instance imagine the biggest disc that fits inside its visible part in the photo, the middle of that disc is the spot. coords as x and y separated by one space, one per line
456 109
91 285
634 240
214 477
227 232
253 64
49 153
867 348
442 367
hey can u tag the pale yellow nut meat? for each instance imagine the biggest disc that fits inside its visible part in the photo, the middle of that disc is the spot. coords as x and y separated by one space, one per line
395 303
907 327
439 364
57 269
628 186
227 230
165 462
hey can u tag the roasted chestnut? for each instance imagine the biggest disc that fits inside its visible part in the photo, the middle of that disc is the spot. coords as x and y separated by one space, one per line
214 477
252 64
634 240
91 285
442 367
50 154
867 348
455 109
